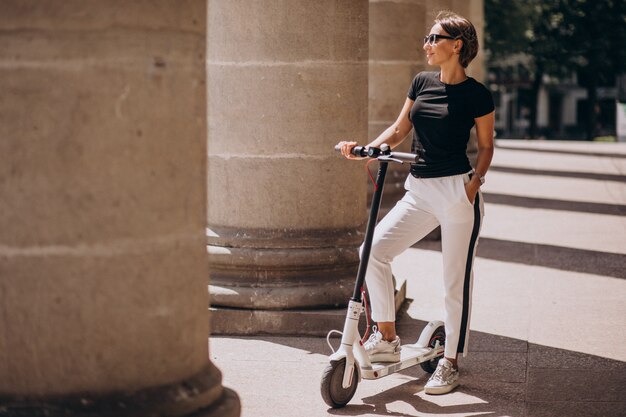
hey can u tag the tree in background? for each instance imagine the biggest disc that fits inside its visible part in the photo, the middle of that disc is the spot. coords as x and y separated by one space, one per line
595 34
561 37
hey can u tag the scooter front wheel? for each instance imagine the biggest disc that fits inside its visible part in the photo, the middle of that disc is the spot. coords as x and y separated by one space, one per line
333 393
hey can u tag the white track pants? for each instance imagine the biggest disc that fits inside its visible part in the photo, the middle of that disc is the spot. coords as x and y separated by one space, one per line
427 203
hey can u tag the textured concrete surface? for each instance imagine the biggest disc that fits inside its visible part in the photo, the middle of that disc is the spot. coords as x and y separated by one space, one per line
313 322
548 323
283 91
103 259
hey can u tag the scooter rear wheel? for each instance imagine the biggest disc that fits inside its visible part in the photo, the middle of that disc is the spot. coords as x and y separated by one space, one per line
333 392
439 335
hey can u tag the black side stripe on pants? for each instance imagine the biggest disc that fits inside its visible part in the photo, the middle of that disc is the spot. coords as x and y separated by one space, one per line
468 274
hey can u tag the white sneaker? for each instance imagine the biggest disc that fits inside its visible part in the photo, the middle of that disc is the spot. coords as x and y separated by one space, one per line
380 350
444 379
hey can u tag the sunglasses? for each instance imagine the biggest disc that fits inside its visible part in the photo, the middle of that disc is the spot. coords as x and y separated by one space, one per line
434 38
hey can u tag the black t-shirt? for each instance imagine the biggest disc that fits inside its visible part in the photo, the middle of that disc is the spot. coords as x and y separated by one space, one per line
442 117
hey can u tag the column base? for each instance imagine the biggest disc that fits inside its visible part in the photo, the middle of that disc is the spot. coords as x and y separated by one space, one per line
228 406
182 398
245 322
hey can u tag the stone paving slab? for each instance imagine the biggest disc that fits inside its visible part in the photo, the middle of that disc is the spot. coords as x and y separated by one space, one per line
576 385
576 409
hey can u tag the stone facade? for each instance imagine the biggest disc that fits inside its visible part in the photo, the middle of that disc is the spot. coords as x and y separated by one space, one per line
103 260
286 210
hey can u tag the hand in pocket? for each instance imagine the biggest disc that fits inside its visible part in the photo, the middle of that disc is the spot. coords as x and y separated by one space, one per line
470 191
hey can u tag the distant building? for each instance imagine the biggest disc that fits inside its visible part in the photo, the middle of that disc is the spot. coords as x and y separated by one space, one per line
561 105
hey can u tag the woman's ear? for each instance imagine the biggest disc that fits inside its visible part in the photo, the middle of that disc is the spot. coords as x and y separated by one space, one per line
458 45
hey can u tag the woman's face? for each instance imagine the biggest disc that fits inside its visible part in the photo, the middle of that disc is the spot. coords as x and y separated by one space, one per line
442 51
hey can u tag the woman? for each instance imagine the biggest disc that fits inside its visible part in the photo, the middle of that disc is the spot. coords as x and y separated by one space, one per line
442 189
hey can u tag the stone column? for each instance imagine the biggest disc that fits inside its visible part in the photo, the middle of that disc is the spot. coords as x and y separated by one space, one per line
474 10
287 81
395 32
102 175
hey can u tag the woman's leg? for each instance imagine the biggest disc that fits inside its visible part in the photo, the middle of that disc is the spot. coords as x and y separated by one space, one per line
460 225
459 236
408 222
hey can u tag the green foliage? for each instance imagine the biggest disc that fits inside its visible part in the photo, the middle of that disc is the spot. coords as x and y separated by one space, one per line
507 27
560 35
561 38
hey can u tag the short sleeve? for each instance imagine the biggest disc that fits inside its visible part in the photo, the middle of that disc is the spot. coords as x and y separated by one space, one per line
415 88
484 102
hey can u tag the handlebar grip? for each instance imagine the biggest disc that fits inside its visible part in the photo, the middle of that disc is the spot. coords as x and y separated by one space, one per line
359 151
356 150
372 152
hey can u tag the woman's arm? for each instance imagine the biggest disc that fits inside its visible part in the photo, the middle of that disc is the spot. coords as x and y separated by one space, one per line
392 136
484 133
395 134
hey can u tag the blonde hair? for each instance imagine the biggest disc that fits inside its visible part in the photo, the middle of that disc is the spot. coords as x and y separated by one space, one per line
462 29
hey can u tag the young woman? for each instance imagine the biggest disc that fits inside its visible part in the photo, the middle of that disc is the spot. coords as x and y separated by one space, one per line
442 189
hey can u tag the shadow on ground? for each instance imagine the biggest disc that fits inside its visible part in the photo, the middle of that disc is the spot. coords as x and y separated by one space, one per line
501 377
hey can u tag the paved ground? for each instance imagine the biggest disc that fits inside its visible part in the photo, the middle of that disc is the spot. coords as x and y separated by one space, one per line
549 311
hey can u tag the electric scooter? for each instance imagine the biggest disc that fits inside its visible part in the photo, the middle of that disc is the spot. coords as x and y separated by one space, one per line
350 363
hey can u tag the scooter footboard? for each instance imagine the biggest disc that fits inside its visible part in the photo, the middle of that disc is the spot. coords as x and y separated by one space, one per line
410 356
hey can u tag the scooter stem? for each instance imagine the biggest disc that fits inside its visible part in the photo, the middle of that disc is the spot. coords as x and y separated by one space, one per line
369 231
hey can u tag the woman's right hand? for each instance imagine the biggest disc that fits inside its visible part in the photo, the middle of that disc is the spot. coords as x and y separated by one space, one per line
345 148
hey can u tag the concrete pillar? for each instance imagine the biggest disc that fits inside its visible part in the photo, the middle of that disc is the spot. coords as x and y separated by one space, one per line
474 10
102 175
396 30
395 41
288 80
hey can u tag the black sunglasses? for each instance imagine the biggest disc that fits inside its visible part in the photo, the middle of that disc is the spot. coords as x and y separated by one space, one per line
434 38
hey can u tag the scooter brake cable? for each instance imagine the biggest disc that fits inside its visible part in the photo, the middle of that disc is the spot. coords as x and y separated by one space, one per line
367 167
328 338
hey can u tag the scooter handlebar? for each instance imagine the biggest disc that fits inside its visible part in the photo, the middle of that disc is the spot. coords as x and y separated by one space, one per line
372 152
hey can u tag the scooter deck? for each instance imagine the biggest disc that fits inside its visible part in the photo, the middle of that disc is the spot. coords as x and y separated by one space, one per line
410 355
